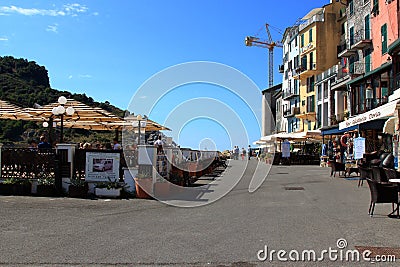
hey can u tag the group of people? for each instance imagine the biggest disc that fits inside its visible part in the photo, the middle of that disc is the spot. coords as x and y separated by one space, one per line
341 148
243 153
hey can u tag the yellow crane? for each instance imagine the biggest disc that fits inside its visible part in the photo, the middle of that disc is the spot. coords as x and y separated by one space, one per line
270 44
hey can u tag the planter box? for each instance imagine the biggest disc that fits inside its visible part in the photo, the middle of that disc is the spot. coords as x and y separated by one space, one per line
15 189
146 183
77 191
46 190
104 192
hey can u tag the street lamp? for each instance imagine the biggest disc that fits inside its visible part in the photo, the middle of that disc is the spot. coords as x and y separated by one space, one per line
141 122
60 110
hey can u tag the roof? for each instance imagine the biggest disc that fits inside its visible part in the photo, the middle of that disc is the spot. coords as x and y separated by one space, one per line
13 112
273 88
312 13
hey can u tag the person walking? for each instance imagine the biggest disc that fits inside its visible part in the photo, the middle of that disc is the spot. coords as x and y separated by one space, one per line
236 152
249 152
243 153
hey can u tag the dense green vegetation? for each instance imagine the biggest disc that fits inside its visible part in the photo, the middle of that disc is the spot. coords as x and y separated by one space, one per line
25 83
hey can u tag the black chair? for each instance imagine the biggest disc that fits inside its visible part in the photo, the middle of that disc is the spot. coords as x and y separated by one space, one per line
382 193
365 173
379 175
336 167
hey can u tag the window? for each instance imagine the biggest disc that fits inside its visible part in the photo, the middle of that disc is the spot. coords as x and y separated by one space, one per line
310 35
319 92
351 36
295 42
304 62
311 103
310 84
384 38
343 28
319 117
296 62
351 7
302 40
326 90
375 8
311 61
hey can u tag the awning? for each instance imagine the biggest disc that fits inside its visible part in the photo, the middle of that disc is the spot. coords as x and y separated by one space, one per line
381 112
393 46
335 130
390 125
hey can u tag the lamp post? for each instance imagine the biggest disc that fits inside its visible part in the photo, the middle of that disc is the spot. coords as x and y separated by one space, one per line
141 122
60 110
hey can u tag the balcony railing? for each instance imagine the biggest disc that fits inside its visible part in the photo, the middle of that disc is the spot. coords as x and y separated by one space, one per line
329 72
289 93
369 104
359 68
361 39
315 18
291 112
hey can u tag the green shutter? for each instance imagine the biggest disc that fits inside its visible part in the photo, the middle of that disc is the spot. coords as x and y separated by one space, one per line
351 36
302 40
310 35
384 38
367 33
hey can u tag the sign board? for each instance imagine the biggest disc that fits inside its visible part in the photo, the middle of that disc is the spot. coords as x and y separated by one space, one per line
359 147
286 149
100 166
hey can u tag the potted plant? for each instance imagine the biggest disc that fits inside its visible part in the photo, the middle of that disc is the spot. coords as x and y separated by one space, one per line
143 184
78 188
111 188
16 187
346 114
46 187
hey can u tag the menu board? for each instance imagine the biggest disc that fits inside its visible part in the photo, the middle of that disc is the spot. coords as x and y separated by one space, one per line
359 147
286 149
102 167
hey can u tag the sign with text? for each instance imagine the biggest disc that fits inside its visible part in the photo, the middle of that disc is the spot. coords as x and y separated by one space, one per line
102 167
359 147
286 149
386 110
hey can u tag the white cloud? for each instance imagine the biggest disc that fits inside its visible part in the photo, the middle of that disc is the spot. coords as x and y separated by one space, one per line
70 77
66 10
52 28
85 76
4 39
143 97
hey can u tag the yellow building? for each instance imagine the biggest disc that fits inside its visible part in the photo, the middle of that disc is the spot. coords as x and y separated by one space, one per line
319 35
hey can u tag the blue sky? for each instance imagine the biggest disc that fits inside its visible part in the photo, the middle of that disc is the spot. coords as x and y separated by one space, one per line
107 49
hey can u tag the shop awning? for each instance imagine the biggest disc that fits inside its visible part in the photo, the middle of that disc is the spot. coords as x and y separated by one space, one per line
381 112
393 46
335 130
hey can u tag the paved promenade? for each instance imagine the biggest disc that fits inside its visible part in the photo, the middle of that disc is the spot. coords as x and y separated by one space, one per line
313 215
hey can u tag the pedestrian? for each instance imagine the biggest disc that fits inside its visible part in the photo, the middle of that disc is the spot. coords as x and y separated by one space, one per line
243 153
159 144
116 145
236 152
43 143
249 152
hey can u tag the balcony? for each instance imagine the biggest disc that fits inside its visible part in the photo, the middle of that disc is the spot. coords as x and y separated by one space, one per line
362 39
291 112
315 18
281 68
291 93
359 68
343 50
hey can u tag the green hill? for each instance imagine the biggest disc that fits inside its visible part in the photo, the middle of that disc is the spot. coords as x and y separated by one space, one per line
25 83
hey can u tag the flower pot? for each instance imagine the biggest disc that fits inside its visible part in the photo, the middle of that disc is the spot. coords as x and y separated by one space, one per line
46 190
104 192
77 191
142 186
22 189
6 189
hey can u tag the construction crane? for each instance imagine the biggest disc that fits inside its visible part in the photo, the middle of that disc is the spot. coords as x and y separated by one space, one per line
270 44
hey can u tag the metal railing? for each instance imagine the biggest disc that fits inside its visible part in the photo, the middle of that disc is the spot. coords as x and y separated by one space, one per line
315 18
361 35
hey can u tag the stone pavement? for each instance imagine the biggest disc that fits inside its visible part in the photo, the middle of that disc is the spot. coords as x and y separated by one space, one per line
297 207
